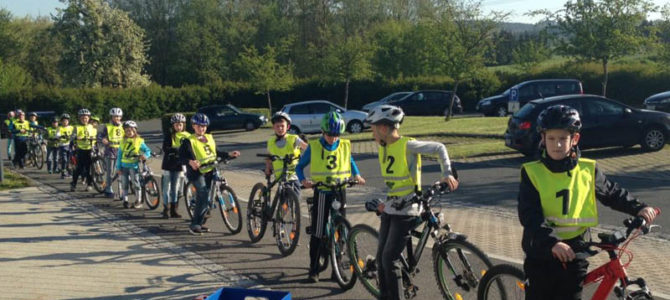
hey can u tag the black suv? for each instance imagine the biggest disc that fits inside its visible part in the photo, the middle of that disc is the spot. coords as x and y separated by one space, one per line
606 123
224 117
429 102
528 90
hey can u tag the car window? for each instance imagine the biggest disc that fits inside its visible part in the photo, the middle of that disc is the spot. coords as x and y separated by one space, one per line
525 111
576 104
321 108
435 97
418 97
302 109
602 108
527 91
397 96
546 89
224 111
564 88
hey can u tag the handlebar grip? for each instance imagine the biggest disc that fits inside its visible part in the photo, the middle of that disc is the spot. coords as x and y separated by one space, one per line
263 155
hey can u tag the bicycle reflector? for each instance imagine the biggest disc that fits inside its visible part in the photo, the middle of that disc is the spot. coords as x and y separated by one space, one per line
336 205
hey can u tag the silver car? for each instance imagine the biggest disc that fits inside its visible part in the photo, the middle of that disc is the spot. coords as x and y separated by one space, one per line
306 116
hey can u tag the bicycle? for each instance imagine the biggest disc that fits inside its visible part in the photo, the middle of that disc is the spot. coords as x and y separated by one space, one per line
283 212
36 146
510 281
219 193
458 264
335 236
97 168
148 184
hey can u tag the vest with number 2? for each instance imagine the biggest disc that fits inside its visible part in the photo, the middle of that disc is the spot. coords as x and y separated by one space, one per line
290 147
396 171
328 166
568 202
131 150
205 152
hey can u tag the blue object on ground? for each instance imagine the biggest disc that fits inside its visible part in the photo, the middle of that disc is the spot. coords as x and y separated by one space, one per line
242 294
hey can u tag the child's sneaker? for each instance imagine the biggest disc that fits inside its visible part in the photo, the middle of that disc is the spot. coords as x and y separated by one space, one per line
195 230
138 204
126 204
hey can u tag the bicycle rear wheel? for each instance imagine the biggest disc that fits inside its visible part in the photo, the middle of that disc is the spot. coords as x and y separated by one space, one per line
362 244
502 282
256 223
98 175
287 223
230 209
190 194
152 195
459 267
343 266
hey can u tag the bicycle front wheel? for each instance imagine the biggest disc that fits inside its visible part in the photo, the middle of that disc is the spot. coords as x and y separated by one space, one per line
459 267
230 209
256 223
190 194
98 175
287 223
39 157
502 282
343 266
363 242
152 195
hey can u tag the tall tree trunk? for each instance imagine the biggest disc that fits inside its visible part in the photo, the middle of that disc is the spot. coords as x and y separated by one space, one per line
346 93
605 74
269 102
448 114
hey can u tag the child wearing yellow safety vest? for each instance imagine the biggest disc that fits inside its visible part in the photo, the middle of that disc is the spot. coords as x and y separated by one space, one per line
111 136
171 166
198 152
83 137
64 149
330 159
53 140
20 130
400 162
131 151
557 206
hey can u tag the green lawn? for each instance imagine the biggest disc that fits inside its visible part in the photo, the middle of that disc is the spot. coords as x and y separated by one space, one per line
13 181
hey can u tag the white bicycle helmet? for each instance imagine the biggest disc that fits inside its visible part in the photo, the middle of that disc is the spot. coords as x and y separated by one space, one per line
116 112
129 124
84 112
281 115
386 114
178 118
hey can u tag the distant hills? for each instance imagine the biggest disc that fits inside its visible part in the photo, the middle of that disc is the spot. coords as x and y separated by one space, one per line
517 28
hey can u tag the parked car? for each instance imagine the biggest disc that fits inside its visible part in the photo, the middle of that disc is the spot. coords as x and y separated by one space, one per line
660 101
527 91
225 117
306 116
389 98
428 102
605 123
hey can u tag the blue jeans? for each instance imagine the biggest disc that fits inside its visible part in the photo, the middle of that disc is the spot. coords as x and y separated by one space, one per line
52 159
201 185
171 184
63 156
10 147
127 175
110 170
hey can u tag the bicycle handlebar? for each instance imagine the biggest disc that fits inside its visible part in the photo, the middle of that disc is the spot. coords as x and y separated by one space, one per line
339 185
438 188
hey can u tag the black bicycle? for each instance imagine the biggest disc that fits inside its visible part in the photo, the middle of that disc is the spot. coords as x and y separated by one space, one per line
97 167
221 194
458 264
36 146
283 212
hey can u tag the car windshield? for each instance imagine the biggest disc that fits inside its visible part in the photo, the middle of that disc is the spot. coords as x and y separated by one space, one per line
525 111
394 97
235 109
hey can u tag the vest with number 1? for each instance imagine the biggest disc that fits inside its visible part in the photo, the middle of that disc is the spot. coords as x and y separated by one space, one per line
289 148
330 166
205 152
568 202
84 135
114 134
396 171
131 150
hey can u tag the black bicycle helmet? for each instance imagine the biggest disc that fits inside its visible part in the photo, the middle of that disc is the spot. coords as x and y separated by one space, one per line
559 117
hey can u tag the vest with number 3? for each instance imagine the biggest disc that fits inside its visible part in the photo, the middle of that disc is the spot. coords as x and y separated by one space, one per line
205 152
396 171
568 202
330 166
131 150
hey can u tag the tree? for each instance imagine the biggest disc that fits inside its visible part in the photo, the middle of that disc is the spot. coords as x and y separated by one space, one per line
600 30
13 78
466 35
663 32
528 54
264 72
102 46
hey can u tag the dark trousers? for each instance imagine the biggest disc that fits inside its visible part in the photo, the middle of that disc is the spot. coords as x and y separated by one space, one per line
21 146
201 184
548 279
393 237
83 167
52 159
320 211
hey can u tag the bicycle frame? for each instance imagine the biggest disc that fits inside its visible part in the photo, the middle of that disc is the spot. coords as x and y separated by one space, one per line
608 274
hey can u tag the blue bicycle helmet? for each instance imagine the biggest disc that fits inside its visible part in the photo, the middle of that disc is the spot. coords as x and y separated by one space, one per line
200 119
332 124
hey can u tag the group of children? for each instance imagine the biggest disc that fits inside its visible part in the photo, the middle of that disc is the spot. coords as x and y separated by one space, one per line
553 226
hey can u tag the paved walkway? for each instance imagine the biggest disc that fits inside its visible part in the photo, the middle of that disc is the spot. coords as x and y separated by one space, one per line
56 247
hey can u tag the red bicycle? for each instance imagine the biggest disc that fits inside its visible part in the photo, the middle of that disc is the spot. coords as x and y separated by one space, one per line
509 282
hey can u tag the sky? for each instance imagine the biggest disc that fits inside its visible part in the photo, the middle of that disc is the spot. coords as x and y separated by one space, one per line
517 8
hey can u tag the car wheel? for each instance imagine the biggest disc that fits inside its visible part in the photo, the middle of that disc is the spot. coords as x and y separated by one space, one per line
355 127
501 111
653 139
250 126
294 130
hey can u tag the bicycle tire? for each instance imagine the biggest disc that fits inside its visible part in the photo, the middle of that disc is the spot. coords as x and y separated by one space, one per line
39 157
98 174
288 204
256 223
343 269
31 158
504 282
152 195
190 194
465 280
230 212
365 267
